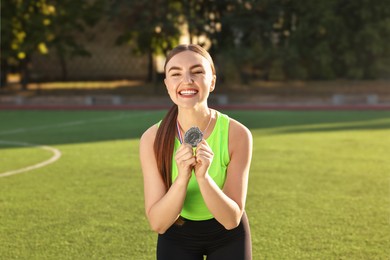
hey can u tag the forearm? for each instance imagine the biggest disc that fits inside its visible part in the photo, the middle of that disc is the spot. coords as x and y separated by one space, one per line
166 211
225 210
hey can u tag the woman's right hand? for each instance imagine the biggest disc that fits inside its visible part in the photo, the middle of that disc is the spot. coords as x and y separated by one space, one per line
185 161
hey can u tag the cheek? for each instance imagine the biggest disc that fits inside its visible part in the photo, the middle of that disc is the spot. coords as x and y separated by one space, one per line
169 84
171 89
208 81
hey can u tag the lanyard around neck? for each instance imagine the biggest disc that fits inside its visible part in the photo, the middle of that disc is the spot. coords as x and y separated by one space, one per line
179 132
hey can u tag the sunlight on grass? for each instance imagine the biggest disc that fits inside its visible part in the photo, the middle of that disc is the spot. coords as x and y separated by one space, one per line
326 127
15 158
318 187
322 188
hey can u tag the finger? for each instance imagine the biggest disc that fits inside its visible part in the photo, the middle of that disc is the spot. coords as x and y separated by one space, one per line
188 164
203 155
185 158
204 151
204 148
191 162
185 154
184 151
203 143
185 164
187 146
204 159
184 161
183 148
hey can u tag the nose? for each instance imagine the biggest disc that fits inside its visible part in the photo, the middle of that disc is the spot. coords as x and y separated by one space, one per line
188 78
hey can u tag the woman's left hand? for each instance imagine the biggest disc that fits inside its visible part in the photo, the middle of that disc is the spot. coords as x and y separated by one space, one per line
204 157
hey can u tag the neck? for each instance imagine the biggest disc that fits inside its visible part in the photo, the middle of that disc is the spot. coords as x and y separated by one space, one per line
194 117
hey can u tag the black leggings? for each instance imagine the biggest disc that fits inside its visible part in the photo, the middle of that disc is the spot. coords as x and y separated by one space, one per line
194 239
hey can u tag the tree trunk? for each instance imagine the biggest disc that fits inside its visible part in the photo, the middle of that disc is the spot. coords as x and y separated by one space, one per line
25 72
64 67
151 68
152 72
4 72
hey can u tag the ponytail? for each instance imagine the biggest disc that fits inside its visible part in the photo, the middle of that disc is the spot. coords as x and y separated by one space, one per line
164 145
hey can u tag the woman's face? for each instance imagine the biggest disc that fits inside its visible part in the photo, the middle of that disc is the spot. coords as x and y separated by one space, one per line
189 79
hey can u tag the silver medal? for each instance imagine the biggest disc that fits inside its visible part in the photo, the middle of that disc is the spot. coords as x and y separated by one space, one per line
193 136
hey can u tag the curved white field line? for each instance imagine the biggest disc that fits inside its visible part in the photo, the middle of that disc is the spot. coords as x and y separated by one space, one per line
56 152
56 155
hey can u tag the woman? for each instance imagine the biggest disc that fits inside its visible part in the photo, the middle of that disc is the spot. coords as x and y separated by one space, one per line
195 196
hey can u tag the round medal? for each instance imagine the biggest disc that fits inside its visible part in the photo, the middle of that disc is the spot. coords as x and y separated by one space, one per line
193 136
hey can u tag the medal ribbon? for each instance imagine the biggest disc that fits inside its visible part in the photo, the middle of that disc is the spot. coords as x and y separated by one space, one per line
179 132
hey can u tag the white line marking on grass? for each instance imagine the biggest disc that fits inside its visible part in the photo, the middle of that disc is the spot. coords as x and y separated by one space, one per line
56 155
56 152
72 123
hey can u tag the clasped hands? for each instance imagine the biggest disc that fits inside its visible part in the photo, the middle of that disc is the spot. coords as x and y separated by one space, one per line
198 159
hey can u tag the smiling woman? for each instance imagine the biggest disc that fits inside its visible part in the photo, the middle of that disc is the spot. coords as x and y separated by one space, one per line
195 192
190 78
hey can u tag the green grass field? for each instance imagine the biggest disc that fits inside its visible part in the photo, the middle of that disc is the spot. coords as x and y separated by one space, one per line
319 185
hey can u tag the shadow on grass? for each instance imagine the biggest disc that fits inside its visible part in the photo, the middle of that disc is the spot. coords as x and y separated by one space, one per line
313 121
64 127
338 127
70 127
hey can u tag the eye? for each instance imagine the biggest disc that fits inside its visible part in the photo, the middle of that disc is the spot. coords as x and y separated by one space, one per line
198 72
175 74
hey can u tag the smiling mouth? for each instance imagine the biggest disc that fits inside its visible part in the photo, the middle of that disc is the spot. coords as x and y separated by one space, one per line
188 92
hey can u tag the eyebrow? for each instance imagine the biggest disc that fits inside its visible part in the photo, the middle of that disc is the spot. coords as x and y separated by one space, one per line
192 67
174 68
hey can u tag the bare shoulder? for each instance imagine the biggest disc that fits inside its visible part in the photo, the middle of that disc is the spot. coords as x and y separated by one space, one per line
149 135
238 130
240 137
146 144
146 153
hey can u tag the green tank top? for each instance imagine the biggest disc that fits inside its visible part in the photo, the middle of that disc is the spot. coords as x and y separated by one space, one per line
194 207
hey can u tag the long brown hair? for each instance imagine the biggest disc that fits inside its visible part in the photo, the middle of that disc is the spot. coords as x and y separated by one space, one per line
165 137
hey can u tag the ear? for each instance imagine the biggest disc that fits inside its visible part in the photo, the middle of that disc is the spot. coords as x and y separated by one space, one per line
213 81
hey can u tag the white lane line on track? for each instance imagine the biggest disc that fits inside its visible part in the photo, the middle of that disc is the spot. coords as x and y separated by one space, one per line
56 155
72 123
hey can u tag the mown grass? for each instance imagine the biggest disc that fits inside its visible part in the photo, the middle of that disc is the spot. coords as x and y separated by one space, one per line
319 185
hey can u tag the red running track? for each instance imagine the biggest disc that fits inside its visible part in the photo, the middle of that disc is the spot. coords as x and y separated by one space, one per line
219 107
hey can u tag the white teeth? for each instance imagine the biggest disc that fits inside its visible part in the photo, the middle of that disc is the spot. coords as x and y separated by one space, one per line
188 92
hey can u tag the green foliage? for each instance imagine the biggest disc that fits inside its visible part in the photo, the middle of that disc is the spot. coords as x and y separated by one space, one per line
73 18
276 40
149 26
40 26
366 39
25 28
307 39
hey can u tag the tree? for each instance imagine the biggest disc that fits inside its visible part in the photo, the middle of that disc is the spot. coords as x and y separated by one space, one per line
150 27
39 26
24 31
364 49
72 20
304 39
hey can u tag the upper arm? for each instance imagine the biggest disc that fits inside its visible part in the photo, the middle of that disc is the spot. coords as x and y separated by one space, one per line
154 188
240 150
